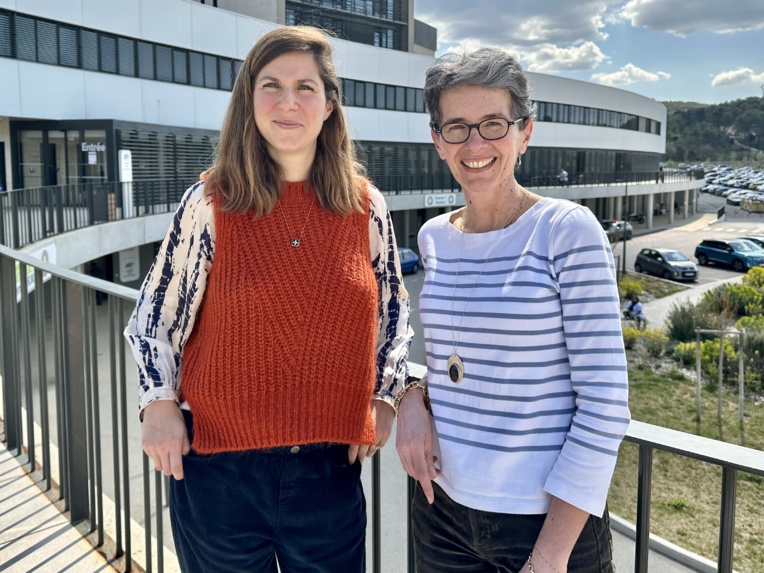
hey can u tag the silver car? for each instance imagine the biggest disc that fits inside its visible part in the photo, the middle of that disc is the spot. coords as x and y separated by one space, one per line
666 263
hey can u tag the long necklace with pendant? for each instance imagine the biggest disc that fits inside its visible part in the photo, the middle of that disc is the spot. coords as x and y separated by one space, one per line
455 365
295 241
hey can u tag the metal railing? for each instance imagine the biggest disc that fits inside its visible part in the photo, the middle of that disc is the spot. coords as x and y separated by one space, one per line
57 407
33 214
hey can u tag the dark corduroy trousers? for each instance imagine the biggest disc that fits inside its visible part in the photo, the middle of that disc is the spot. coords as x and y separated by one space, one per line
241 512
452 538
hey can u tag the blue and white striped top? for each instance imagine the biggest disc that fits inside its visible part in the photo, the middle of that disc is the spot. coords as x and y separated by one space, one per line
173 290
543 405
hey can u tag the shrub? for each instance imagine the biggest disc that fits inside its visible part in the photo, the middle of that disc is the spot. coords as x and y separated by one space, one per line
743 300
630 337
684 317
755 278
709 357
717 301
751 323
654 341
628 288
684 353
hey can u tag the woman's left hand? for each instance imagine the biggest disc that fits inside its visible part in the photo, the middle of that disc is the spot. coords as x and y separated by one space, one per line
383 415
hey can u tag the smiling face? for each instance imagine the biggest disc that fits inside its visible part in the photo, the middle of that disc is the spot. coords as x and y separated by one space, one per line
290 109
481 167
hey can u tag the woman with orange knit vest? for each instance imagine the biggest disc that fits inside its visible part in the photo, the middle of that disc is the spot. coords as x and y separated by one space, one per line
271 332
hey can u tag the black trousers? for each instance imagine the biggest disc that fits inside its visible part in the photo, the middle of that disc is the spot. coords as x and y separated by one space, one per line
452 538
240 512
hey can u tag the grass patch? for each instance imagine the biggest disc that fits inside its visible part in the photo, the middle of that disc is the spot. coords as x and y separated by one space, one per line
653 287
686 494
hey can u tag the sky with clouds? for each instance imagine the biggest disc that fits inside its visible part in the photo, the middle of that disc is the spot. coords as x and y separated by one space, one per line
708 51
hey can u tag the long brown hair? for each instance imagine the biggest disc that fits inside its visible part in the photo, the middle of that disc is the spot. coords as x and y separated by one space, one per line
246 175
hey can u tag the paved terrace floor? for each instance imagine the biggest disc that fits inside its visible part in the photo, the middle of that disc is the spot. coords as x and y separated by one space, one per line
36 537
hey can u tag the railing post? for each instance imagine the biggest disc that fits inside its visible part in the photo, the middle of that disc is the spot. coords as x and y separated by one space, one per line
8 358
644 489
727 520
74 391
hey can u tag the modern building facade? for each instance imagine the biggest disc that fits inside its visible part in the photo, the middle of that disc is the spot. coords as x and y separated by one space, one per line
84 79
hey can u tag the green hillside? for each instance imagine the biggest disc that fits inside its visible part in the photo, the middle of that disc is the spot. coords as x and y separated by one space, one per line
730 132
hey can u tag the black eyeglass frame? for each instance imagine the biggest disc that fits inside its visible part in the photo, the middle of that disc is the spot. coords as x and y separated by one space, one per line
471 126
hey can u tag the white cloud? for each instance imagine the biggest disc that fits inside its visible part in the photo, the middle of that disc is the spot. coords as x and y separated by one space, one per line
521 22
629 74
683 17
550 58
738 76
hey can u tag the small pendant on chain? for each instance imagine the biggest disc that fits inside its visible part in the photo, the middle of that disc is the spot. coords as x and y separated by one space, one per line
455 368
295 242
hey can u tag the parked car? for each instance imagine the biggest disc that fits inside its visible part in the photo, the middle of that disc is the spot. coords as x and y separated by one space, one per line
758 239
740 254
666 263
617 230
409 260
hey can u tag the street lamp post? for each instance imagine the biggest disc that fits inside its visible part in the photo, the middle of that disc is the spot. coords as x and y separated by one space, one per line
623 236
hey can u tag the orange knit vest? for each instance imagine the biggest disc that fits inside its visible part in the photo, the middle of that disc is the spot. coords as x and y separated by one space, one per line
283 349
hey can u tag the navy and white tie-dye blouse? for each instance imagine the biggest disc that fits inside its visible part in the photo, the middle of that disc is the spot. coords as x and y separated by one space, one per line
173 290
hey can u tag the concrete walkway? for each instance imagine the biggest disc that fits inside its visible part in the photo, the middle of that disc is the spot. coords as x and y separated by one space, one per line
34 535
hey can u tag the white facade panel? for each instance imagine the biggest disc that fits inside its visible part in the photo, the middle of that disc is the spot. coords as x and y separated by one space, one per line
547 134
393 67
419 128
8 4
209 108
165 104
166 22
111 97
363 123
63 10
249 31
575 92
213 30
50 92
10 95
117 16
393 126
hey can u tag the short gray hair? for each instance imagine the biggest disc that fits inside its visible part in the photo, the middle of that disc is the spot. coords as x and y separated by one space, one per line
487 68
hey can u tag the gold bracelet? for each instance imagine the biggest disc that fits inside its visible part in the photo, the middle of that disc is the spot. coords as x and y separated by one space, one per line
412 386
530 565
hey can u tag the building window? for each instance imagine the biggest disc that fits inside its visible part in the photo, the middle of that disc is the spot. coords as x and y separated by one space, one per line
47 46
179 68
26 39
108 47
196 68
6 35
145 60
126 53
226 81
210 71
89 44
68 47
163 56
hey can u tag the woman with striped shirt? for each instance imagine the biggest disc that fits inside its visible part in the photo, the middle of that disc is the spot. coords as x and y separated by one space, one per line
526 371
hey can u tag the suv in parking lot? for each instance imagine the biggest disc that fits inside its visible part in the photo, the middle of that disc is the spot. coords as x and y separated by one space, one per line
738 253
666 263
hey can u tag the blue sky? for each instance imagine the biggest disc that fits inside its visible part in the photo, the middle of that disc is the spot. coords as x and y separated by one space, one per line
707 51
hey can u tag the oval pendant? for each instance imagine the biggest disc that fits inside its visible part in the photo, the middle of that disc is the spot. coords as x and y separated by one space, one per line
295 242
455 368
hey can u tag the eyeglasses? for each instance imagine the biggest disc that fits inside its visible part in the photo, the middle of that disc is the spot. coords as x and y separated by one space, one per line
489 129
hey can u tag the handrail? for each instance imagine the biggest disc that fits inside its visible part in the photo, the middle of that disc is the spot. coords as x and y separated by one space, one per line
66 376
32 214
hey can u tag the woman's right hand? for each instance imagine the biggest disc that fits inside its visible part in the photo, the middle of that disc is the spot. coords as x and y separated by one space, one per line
164 437
414 441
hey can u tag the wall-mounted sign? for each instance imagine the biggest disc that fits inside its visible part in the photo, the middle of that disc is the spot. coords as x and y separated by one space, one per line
125 166
47 254
440 200
129 265
93 146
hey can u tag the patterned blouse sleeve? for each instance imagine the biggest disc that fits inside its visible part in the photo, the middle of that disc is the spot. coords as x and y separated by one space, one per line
170 298
394 333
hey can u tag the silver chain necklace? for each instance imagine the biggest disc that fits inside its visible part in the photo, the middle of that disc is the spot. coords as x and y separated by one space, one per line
455 365
295 241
